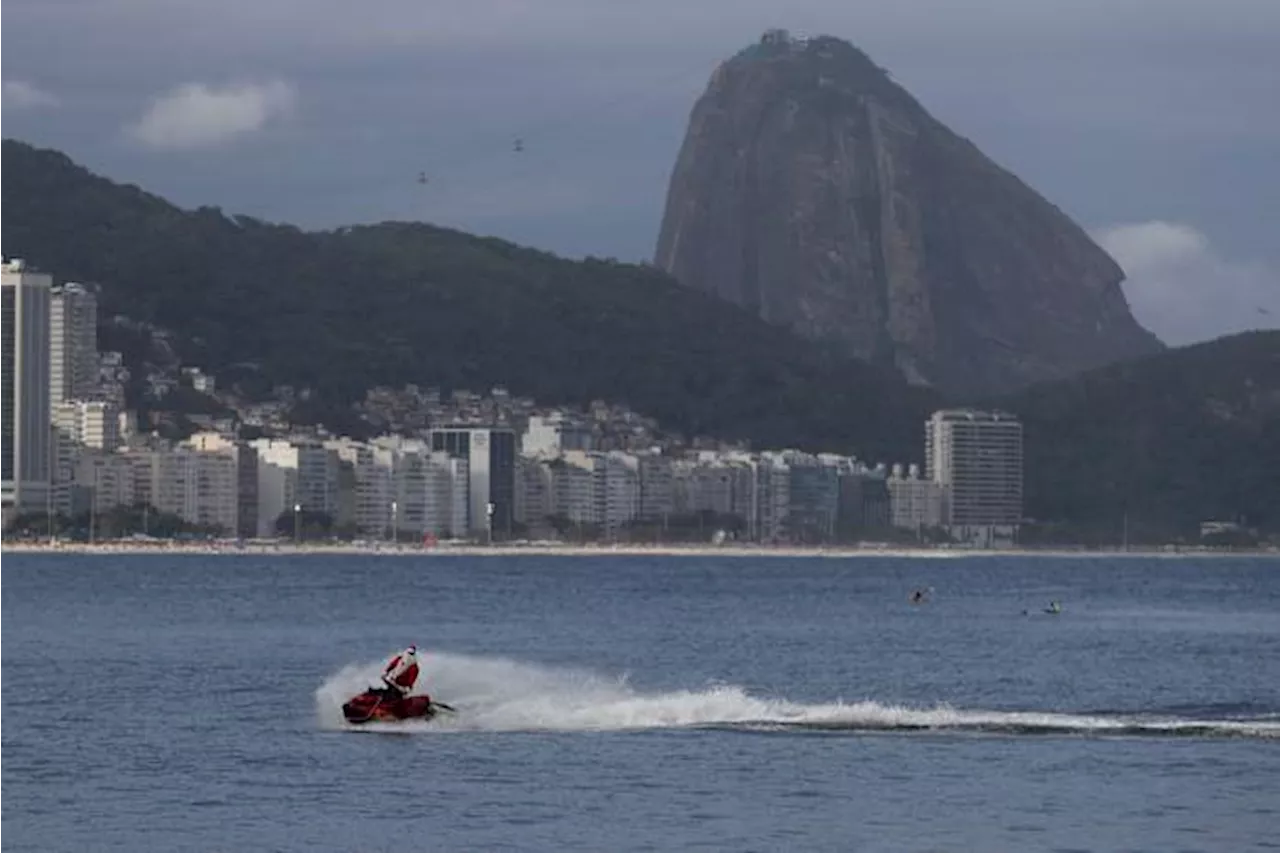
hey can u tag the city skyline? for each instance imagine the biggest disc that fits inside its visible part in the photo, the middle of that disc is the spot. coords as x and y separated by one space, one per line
521 470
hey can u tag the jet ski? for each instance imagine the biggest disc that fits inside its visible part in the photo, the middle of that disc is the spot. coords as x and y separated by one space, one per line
374 706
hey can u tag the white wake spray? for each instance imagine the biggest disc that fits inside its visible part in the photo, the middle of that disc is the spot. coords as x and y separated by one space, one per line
498 694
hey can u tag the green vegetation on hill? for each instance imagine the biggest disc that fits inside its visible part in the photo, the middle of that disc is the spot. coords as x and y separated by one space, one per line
1187 436
342 311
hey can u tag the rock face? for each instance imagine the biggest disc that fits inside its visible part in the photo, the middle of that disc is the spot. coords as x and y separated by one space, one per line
815 191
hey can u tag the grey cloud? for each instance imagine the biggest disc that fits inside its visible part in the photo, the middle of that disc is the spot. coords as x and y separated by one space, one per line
1117 110
1181 288
196 115
21 95
240 28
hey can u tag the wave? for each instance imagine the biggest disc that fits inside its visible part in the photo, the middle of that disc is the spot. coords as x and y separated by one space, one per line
503 695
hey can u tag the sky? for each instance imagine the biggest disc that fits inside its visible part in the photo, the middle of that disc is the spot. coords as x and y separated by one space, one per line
1154 123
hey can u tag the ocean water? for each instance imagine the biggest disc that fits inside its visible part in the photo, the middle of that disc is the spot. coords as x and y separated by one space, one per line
175 703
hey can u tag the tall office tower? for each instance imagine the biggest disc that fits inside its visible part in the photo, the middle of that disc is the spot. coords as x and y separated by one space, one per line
26 443
491 456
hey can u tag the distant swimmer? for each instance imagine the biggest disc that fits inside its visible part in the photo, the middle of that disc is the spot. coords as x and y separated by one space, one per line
918 596
1054 608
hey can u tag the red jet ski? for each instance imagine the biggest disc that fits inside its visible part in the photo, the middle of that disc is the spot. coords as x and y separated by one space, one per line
375 706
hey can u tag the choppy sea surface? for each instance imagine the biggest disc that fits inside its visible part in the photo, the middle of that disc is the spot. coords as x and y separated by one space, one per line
175 703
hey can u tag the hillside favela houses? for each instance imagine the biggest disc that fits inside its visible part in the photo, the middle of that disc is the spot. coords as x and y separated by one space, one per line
460 466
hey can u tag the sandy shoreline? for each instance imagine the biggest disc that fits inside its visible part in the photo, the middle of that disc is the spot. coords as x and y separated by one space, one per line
562 550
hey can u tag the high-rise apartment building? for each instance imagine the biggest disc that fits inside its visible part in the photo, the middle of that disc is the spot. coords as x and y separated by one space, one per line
73 343
26 443
977 457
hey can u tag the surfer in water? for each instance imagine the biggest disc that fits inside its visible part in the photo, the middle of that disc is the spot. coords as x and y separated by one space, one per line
1053 609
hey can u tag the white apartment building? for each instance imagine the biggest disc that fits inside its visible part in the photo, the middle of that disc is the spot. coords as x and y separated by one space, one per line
977 457
448 495
778 495
754 487
372 469
598 488
551 434
915 502
703 485
201 487
78 425
246 464
657 486
431 489
26 446
73 343
295 473
103 479
412 478
91 423
402 487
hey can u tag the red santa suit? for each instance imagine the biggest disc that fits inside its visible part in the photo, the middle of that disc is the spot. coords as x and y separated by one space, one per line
401 671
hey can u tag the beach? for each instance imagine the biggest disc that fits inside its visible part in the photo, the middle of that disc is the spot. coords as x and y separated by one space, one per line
562 549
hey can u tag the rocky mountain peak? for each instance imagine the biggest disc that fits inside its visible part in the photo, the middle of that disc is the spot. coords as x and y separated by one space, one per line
817 192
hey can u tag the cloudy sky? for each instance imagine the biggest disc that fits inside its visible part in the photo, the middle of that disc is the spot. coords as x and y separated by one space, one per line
1155 123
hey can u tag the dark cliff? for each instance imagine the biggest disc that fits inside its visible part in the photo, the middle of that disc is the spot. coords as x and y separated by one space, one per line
816 192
